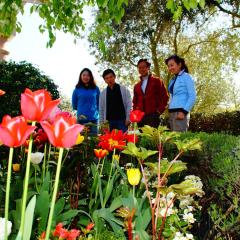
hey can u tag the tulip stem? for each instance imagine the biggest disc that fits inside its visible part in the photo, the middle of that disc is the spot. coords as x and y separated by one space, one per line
26 180
8 191
133 191
44 162
54 196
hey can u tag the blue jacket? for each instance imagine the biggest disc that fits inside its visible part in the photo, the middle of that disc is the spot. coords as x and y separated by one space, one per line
86 101
184 93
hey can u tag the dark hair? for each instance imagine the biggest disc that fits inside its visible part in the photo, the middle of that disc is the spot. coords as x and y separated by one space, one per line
91 84
144 60
178 60
108 71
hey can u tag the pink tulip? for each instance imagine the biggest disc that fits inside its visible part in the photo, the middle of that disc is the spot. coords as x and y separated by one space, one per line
63 132
37 105
14 131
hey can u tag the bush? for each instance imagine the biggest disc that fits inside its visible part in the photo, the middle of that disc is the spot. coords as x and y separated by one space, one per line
227 122
15 77
218 165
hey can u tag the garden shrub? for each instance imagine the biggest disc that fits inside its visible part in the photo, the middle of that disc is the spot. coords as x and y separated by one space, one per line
226 122
14 78
218 165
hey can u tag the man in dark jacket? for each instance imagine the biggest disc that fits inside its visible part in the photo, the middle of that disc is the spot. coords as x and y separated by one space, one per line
150 95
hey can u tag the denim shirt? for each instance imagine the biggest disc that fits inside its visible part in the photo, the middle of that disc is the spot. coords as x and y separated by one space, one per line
184 93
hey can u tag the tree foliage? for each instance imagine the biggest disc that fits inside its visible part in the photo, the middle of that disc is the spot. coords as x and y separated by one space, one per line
15 78
66 15
148 31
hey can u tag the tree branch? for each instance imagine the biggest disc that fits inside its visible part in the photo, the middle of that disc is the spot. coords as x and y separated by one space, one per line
219 6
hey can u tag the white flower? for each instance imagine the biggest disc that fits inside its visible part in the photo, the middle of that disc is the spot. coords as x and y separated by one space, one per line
188 217
2 228
189 236
36 157
185 201
163 213
170 196
190 208
179 236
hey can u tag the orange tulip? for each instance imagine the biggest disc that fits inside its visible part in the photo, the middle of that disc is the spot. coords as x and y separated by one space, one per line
14 131
37 105
63 132
100 153
2 92
16 167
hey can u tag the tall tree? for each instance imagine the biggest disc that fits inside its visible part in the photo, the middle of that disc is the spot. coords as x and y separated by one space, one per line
147 30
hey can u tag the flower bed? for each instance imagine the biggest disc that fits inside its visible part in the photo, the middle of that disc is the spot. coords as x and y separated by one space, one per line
120 190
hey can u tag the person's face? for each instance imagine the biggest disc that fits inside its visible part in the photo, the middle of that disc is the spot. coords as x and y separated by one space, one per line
143 69
110 79
85 77
173 67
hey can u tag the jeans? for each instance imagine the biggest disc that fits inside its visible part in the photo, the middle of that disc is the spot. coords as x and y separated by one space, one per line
117 124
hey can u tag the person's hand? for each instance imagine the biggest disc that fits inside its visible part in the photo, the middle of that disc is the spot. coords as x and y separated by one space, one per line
180 116
127 122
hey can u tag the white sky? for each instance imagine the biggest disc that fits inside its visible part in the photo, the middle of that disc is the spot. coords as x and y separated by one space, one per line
63 62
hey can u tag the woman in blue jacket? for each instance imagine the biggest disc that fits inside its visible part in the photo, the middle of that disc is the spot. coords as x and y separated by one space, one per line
182 94
85 99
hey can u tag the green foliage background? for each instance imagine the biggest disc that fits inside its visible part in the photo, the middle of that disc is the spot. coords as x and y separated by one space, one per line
15 78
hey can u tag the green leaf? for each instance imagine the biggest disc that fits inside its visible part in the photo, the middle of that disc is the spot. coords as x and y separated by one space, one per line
193 4
202 3
29 218
46 183
42 210
59 206
106 214
116 203
178 13
67 215
170 5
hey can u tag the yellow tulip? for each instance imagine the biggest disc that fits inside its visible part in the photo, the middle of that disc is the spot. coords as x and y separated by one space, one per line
80 139
16 167
134 176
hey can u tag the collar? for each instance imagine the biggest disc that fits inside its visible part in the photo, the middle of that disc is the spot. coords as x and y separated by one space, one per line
181 72
141 79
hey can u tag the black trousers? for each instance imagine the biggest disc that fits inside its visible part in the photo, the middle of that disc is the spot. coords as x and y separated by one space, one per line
152 120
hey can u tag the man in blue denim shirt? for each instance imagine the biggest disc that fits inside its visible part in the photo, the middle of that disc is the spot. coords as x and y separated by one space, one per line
182 94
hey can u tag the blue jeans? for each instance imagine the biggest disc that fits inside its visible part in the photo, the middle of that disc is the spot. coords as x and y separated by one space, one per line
117 124
92 125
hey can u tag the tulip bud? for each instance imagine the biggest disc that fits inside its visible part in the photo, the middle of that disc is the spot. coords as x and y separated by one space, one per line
36 157
134 176
16 167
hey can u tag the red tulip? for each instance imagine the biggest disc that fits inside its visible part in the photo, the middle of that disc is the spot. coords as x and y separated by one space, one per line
2 92
136 115
14 131
90 226
63 132
37 105
60 231
73 234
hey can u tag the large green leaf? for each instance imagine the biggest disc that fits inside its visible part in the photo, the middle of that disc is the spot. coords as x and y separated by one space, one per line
105 213
67 215
29 214
42 210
